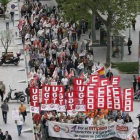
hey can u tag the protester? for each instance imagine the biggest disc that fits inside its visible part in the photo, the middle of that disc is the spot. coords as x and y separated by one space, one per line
7 136
22 109
55 57
37 130
109 74
5 109
19 123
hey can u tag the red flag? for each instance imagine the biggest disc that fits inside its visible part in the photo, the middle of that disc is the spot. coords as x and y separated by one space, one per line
34 97
101 100
117 99
115 80
90 98
70 101
54 95
104 82
128 99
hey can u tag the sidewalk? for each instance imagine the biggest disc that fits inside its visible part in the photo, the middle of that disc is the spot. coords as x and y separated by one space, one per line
11 75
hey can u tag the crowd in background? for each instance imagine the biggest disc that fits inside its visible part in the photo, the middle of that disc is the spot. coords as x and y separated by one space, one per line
55 61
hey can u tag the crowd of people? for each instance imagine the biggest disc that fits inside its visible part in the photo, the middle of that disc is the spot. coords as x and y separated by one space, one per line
53 60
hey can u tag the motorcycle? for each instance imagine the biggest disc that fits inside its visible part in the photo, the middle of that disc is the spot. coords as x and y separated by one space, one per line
11 60
18 95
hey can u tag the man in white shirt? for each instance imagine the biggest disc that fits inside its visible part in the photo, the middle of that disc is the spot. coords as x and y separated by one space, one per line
64 81
90 120
98 66
120 120
90 57
19 123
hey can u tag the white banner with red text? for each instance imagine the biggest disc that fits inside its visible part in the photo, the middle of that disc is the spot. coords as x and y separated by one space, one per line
84 131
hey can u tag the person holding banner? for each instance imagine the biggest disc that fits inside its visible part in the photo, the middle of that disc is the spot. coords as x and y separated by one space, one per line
37 130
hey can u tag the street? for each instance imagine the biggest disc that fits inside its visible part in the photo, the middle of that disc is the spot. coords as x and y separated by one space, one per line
12 75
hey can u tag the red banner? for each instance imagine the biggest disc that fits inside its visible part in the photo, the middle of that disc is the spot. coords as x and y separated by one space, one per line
34 92
54 95
117 99
61 95
78 81
80 97
46 90
90 98
128 99
70 101
104 82
115 80
93 80
109 97
101 100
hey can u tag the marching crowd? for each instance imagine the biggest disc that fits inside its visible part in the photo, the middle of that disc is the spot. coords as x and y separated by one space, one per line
57 54
95 117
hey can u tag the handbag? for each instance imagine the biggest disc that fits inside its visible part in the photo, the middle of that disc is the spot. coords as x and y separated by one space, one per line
25 113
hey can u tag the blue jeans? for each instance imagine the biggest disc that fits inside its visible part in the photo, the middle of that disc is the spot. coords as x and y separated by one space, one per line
19 128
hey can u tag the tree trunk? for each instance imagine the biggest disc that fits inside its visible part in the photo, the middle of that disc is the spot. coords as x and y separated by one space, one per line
109 44
93 30
6 49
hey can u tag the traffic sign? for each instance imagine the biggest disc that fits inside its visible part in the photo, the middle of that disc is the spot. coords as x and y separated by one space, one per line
13 6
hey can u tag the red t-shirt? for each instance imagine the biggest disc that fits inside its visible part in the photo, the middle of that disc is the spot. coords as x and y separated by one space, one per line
37 117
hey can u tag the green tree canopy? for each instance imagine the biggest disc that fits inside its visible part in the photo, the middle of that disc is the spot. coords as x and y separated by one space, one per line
4 2
118 13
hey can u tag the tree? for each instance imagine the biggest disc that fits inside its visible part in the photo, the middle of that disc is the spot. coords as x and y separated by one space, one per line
119 15
4 3
6 38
